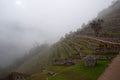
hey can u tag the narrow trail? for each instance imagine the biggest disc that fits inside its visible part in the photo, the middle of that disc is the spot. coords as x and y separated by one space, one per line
100 40
113 71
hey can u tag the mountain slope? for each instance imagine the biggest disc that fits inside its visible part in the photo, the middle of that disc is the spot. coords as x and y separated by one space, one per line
65 59
111 25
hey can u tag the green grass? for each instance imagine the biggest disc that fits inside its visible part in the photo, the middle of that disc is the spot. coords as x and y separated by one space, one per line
56 68
61 52
87 41
80 72
38 76
74 52
111 33
85 48
88 51
65 54
74 42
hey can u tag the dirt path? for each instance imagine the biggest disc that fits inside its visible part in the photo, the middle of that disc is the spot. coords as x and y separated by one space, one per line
113 71
100 40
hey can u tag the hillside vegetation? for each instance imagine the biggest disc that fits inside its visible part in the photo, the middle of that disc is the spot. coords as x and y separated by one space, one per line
65 59
75 47
111 25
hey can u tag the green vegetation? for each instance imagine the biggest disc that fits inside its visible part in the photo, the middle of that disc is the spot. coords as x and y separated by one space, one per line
96 26
85 48
38 76
65 54
110 33
80 72
88 41
41 59
74 52
56 68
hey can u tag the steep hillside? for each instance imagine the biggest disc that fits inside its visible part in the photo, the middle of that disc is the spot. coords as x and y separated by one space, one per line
35 53
65 59
66 49
111 25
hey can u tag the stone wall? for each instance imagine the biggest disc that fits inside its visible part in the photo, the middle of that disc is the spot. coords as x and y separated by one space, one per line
90 61
67 62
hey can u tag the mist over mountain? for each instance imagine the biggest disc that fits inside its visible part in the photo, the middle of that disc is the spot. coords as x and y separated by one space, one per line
111 25
25 23
62 57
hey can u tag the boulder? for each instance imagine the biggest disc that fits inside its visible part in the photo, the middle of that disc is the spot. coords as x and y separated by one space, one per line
90 61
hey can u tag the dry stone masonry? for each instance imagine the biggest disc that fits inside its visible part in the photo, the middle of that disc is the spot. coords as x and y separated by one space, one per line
90 61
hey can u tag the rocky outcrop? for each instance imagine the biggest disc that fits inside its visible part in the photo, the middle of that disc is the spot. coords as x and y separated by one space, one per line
90 61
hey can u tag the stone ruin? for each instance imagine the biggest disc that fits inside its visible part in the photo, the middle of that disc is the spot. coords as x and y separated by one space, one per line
90 61
48 72
16 76
66 62
107 48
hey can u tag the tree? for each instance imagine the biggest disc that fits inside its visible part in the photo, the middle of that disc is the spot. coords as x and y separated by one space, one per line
96 26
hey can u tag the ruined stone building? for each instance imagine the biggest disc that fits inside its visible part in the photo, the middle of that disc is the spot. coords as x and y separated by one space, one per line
16 76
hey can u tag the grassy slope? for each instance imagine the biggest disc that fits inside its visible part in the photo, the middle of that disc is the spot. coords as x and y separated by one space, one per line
85 49
87 41
80 72
76 72
38 76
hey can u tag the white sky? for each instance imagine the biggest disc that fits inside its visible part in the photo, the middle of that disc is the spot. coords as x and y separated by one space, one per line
53 18
24 22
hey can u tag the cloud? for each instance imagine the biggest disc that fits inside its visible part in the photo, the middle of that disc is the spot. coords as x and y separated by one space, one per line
24 22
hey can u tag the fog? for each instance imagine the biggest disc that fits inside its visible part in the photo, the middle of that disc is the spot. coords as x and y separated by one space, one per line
24 23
